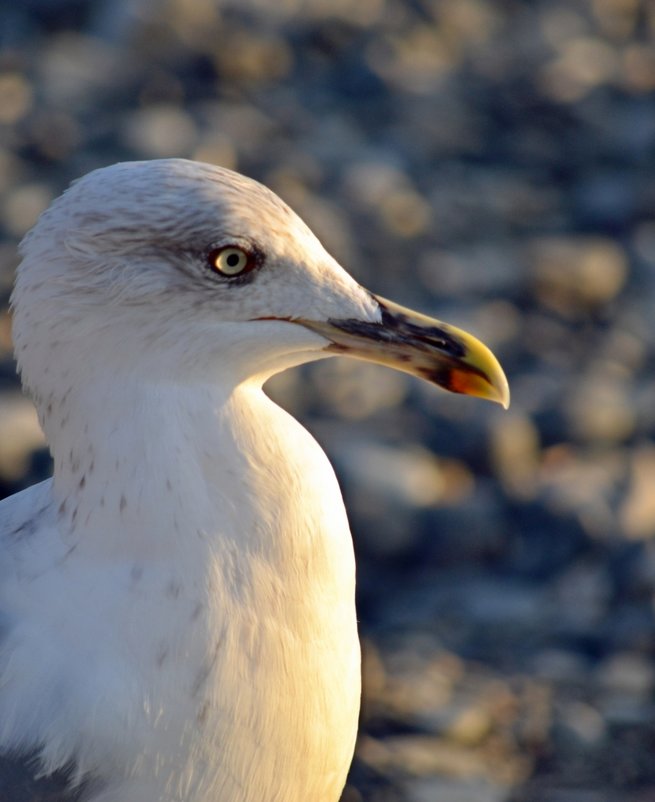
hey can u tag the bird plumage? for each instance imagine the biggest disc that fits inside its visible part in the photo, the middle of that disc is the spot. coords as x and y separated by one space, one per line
177 604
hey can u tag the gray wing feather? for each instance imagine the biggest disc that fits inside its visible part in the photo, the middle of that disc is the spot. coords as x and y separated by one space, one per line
19 780
18 783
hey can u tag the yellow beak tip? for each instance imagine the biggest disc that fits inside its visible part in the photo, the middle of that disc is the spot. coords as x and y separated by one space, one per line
504 399
498 391
494 388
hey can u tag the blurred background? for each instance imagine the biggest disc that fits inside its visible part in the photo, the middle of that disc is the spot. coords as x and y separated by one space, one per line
490 162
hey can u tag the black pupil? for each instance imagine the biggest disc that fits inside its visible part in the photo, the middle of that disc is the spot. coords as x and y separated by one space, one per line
233 259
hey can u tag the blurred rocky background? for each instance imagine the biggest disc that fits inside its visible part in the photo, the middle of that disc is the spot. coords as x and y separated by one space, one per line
491 162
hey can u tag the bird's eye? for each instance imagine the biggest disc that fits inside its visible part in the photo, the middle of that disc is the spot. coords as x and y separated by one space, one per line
229 261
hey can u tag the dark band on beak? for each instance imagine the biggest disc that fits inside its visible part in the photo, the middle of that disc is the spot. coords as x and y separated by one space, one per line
420 345
399 328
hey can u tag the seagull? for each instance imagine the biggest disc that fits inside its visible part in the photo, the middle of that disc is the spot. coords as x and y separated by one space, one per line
177 613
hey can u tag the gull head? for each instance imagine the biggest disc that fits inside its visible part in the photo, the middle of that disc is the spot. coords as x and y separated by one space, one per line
179 271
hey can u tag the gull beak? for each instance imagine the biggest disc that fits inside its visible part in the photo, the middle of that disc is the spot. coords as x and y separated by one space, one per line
420 345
